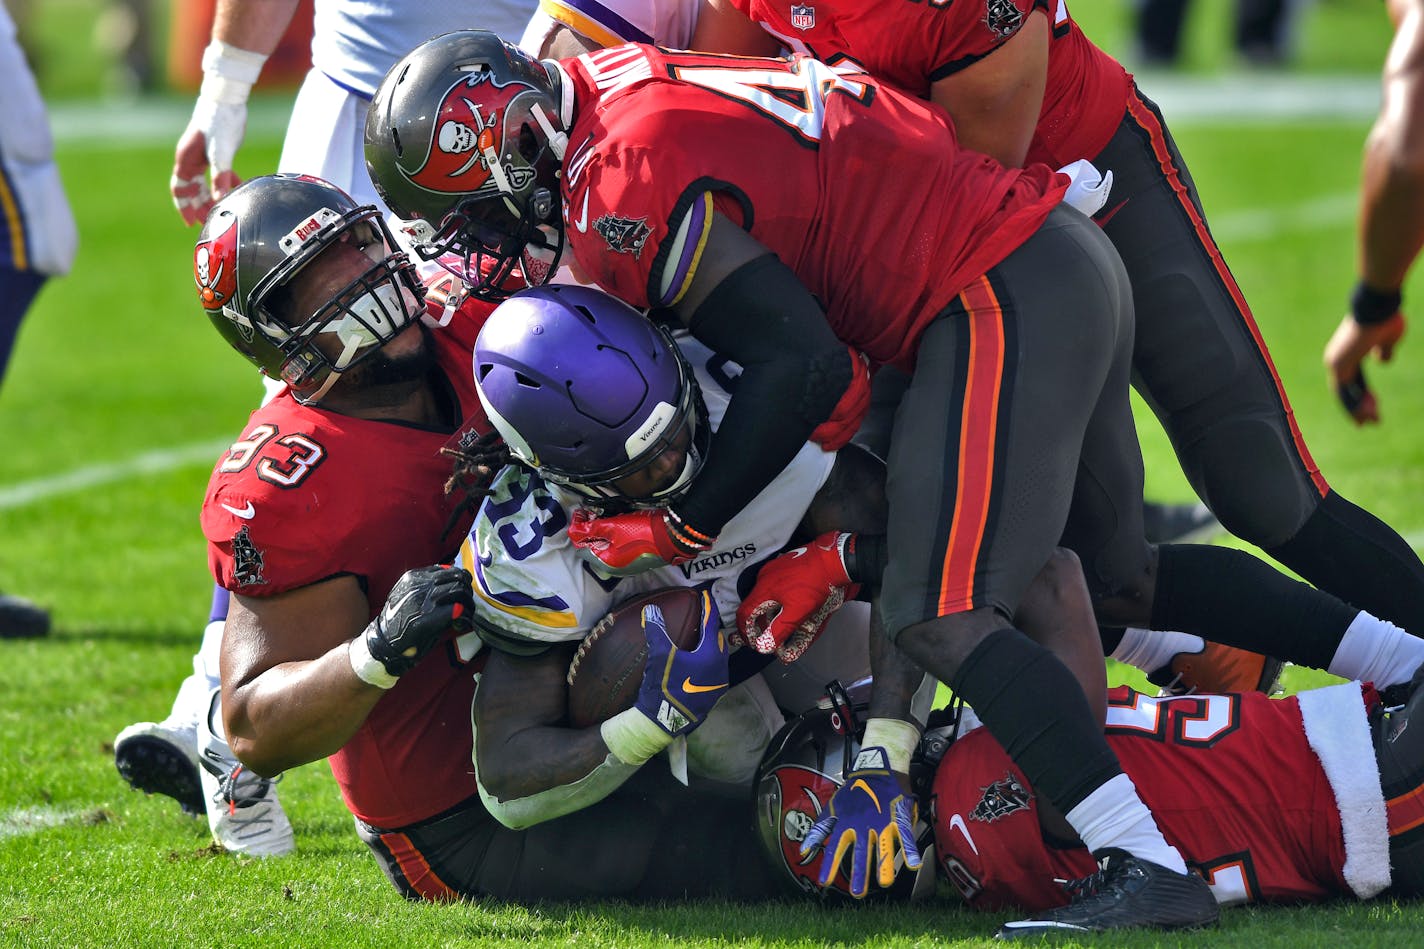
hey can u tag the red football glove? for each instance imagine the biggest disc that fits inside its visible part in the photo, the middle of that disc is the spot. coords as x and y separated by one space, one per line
835 432
637 541
794 596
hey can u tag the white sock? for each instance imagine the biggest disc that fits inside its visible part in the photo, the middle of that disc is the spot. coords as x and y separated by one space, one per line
1114 816
191 702
1150 650
1376 650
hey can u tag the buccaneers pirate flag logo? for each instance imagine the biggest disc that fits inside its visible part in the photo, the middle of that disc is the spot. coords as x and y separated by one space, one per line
466 140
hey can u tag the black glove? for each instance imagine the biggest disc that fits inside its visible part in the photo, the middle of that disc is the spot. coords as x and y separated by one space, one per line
422 606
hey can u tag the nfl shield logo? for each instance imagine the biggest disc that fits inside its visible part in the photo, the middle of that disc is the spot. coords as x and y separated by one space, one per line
803 18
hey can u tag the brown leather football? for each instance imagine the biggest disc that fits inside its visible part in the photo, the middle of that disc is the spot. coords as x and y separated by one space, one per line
607 671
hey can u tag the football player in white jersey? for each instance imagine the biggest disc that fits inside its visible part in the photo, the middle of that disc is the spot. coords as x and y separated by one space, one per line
37 238
573 379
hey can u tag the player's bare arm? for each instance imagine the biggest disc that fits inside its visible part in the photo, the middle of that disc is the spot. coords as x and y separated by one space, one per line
563 42
522 746
1391 228
1057 612
996 102
722 28
289 693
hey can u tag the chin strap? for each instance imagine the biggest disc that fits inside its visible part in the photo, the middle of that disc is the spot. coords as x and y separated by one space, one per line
558 141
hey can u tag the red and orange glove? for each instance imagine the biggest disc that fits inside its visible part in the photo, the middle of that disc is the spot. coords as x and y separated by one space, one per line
795 594
835 432
640 540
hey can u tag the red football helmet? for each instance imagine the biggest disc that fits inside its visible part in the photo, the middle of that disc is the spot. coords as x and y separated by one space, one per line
465 139
801 769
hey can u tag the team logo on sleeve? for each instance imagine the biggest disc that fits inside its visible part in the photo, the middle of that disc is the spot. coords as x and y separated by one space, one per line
457 160
1001 799
246 560
1003 18
215 263
624 235
803 18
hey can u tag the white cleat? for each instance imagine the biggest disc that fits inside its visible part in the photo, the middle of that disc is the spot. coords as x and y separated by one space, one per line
244 814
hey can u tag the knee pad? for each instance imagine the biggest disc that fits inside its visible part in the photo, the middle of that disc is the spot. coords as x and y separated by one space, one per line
1249 472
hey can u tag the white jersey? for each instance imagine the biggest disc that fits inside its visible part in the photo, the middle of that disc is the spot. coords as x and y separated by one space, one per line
613 22
37 230
356 42
533 585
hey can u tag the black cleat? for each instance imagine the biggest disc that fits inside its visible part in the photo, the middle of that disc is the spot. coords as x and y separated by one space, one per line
21 619
1178 523
160 758
1126 892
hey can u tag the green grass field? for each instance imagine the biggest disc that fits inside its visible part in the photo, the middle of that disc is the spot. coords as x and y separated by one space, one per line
120 396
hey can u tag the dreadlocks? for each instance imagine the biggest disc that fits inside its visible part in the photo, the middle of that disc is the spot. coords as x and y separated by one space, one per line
474 470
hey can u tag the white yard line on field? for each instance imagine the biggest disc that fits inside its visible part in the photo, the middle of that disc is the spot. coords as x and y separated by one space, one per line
22 821
1244 97
154 462
1248 225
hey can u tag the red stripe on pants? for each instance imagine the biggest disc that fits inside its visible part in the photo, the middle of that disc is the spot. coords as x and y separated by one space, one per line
979 423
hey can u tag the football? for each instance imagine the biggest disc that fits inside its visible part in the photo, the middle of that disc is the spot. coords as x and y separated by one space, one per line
607 671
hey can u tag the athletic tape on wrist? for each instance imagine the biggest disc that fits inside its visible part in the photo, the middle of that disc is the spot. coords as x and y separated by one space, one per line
229 72
899 739
633 737
367 667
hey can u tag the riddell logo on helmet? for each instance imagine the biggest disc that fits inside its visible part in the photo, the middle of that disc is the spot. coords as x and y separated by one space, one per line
465 140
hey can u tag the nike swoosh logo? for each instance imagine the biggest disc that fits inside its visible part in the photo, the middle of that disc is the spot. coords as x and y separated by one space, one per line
957 823
690 687
582 223
243 512
860 783
1105 216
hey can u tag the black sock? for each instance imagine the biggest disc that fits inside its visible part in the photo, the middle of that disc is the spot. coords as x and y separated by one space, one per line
1031 703
1231 597
1360 559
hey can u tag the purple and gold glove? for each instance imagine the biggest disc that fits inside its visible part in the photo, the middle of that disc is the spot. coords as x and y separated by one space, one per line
681 686
866 816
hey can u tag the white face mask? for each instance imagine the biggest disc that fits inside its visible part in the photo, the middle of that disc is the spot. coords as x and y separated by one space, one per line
371 320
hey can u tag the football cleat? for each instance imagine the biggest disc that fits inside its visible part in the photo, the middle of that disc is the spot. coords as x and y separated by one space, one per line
1218 668
21 619
1126 892
1178 523
243 811
244 814
162 758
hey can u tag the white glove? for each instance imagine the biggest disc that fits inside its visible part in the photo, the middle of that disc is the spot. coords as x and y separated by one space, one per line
215 131
1087 187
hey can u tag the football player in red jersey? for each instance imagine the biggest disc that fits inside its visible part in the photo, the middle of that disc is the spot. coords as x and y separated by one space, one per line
341 642
783 210
1304 798
1024 84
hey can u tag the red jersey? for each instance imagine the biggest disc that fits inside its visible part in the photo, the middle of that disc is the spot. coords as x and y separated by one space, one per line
913 45
859 189
1269 799
305 495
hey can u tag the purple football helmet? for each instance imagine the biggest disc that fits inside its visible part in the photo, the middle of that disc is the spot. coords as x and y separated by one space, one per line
584 389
